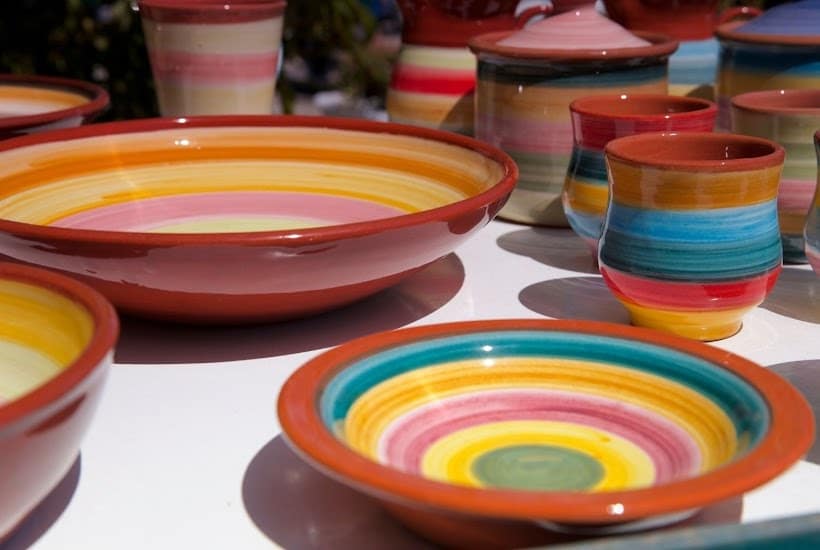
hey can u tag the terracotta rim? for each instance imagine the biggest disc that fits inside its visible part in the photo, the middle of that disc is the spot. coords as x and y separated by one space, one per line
210 11
103 339
727 32
780 447
643 150
786 102
487 44
284 238
600 106
98 99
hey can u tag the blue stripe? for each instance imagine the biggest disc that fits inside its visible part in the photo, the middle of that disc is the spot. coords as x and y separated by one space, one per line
692 245
792 60
585 224
741 403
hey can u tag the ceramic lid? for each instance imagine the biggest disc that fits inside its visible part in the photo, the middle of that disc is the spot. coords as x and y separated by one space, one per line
582 34
796 23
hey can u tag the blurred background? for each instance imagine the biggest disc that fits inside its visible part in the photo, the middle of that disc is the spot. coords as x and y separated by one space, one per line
338 53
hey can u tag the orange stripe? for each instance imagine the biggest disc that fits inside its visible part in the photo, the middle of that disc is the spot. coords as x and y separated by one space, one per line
646 187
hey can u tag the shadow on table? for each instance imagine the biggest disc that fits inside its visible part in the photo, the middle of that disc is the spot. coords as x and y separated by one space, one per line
46 513
297 507
586 298
144 341
805 376
796 295
559 248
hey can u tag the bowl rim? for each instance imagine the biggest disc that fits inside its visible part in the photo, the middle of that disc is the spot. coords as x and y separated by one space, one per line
98 100
487 44
286 238
622 149
586 106
210 11
765 101
781 446
104 336
727 31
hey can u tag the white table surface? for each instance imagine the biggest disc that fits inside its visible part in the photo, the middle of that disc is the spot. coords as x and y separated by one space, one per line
185 450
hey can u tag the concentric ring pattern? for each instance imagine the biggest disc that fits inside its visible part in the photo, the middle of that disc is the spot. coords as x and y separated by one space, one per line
532 410
235 179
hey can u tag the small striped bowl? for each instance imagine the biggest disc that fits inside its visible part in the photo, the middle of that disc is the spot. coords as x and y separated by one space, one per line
56 345
690 241
33 103
244 218
581 426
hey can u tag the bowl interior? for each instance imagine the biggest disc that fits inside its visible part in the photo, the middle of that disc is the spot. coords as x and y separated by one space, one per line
42 332
24 99
543 411
224 179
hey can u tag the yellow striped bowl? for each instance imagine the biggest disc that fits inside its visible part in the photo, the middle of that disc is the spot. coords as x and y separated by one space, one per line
244 218
56 344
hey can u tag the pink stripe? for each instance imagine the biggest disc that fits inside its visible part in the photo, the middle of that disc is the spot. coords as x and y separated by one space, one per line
527 135
146 214
213 67
795 196
671 449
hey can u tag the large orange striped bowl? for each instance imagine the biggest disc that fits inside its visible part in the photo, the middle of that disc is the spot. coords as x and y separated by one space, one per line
244 218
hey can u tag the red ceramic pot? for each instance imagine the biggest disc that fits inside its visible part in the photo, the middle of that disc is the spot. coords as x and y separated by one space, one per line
229 219
55 387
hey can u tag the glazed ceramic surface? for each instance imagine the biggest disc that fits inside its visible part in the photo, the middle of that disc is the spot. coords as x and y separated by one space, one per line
567 423
523 96
596 120
812 229
789 117
30 104
56 343
244 218
690 241
433 79
776 50
213 57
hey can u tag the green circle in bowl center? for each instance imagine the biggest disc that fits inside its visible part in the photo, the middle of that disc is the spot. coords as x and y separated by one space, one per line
538 468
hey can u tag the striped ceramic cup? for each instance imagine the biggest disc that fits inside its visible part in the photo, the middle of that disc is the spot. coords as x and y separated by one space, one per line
213 56
812 229
690 241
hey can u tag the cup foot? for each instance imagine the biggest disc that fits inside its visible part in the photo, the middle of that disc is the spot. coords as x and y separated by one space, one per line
705 326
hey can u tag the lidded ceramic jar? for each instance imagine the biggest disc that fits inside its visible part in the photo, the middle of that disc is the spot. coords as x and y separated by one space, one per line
780 49
434 75
526 80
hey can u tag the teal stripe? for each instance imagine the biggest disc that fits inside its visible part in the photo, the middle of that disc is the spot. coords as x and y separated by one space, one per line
771 59
540 171
574 75
588 165
692 245
741 403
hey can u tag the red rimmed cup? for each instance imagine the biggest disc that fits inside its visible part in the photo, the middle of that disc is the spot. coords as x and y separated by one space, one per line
789 117
244 218
214 56
499 433
690 241
596 120
57 337
34 103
